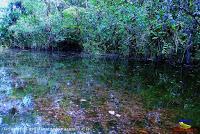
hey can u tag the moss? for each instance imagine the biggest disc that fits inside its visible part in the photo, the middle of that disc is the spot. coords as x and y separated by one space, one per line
97 127
36 90
67 121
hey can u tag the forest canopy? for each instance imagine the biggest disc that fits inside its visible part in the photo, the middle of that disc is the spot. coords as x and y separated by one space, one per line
145 29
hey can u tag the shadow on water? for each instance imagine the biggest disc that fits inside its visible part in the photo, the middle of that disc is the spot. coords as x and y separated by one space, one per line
80 93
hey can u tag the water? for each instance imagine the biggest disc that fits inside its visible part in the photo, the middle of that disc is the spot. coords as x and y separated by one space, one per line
57 93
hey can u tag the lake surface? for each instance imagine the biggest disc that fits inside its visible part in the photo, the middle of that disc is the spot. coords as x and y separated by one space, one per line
41 91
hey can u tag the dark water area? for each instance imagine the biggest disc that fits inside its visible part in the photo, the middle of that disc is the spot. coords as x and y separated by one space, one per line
41 91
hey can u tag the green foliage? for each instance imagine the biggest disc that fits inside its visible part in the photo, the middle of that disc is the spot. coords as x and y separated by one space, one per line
149 29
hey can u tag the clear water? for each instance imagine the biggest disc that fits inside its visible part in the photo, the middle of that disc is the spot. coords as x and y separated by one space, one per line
41 91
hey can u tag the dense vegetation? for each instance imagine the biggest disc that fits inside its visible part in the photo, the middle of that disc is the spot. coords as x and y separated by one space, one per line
144 29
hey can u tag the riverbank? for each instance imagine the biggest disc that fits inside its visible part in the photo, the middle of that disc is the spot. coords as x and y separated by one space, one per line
195 63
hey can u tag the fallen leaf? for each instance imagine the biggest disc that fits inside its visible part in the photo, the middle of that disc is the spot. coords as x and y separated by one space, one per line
118 115
111 112
82 100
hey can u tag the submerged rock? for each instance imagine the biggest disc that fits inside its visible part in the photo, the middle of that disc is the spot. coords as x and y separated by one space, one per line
13 111
18 83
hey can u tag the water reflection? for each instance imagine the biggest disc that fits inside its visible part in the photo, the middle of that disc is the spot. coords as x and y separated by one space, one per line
103 94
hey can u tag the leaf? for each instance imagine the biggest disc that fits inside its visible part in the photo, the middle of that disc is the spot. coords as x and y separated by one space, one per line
155 38
111 112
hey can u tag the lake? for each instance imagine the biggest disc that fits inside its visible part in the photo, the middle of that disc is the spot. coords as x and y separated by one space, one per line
43 92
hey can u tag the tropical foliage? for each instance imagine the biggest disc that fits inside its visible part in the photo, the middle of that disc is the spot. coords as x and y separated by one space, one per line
147 29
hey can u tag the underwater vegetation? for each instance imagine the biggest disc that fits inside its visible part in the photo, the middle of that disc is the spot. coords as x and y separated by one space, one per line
101 94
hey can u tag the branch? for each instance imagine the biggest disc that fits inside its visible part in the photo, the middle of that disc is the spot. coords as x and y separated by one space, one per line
194 15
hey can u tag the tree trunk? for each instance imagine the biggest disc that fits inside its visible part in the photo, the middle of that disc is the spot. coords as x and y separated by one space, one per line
187 52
